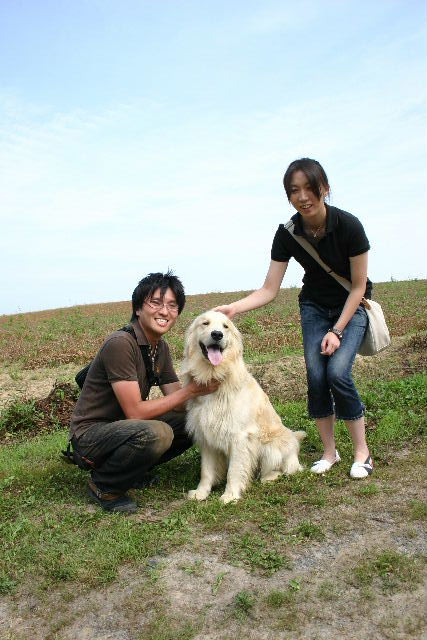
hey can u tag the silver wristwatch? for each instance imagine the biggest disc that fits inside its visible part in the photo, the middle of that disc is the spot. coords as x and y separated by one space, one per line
337 332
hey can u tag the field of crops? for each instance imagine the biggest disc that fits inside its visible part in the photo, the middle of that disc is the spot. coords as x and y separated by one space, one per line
306 557
60 336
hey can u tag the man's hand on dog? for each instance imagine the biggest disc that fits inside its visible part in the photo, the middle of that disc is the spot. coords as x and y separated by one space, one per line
197 389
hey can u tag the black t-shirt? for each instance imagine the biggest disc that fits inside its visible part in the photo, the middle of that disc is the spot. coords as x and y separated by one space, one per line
344 238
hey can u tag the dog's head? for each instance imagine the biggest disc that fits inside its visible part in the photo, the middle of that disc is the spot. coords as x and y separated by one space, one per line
213 339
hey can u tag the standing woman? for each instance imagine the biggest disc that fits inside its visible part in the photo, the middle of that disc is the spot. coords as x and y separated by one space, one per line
333 320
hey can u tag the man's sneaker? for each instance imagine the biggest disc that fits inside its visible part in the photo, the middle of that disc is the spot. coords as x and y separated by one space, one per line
146 481
113 502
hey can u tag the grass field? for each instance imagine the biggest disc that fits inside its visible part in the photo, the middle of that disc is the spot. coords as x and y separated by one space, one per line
304 557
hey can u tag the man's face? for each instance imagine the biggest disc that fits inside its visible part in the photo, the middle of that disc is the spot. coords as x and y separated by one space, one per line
157 315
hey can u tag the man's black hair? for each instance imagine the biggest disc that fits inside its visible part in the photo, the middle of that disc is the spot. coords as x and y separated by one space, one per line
148 285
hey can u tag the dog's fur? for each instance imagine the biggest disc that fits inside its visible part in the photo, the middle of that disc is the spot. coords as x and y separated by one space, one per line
236 427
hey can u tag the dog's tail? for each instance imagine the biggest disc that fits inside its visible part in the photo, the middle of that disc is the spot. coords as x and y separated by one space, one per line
300 434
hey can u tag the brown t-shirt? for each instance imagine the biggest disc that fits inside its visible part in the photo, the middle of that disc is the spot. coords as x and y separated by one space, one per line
119 358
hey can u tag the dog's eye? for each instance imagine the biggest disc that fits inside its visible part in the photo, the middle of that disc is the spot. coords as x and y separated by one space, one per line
206 323
225 326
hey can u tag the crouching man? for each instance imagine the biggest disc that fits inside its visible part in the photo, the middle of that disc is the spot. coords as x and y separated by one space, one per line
118 433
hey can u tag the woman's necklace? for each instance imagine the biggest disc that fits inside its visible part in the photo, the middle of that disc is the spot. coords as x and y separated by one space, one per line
314 233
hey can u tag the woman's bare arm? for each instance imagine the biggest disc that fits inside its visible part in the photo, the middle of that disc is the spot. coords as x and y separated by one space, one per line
261 296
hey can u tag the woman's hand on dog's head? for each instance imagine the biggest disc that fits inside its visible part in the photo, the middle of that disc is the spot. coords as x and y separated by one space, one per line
227 310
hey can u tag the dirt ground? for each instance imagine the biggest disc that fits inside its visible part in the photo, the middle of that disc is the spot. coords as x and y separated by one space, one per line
197 584
32 383
191 593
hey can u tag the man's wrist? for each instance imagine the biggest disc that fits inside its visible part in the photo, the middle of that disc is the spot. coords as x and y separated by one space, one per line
336 332
188 391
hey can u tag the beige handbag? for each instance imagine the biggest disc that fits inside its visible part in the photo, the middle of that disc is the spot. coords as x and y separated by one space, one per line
377 336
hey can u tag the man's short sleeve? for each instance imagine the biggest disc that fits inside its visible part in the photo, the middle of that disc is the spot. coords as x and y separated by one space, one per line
280 251
118 357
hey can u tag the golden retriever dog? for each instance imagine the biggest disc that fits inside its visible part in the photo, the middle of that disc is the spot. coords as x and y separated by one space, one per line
236 427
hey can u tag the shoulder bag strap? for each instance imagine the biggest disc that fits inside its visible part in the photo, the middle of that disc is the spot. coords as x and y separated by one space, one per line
289 226
153 380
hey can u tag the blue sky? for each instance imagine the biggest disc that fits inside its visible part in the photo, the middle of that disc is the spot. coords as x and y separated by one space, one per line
141 135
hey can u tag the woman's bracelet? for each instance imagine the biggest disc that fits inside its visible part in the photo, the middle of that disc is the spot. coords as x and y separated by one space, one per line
336 331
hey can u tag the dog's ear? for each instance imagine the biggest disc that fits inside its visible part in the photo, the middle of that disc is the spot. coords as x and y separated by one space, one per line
236 347
189 342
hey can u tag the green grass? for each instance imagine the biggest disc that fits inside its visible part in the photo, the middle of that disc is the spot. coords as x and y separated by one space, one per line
164 628
47 530
395 414
285 598
306 531
244 602
23 418
327 590
276 598
250 325
18 416
418 510
393 571
368 490
254 552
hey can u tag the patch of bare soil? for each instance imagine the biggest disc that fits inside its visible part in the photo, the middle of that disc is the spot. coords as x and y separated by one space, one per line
198 586
32 383
49 413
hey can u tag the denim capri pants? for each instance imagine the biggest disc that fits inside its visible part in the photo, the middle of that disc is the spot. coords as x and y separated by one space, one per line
331 389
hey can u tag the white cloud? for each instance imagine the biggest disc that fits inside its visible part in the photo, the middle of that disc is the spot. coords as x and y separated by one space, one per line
285 17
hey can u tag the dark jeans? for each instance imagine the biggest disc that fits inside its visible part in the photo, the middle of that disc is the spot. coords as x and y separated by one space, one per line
330 382
125 450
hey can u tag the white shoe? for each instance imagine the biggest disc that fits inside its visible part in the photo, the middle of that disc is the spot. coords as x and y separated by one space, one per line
362 469
322 466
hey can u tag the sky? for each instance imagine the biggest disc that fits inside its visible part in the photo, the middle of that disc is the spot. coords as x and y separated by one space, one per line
137 136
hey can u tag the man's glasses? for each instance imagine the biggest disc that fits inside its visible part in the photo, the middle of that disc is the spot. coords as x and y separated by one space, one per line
159 304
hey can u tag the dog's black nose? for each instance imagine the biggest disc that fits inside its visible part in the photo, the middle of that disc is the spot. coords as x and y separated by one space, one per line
217 335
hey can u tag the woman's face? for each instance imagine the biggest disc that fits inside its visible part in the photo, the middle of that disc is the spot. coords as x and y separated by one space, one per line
305 200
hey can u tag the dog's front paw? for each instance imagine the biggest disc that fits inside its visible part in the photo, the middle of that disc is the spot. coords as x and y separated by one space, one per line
197 494
228 497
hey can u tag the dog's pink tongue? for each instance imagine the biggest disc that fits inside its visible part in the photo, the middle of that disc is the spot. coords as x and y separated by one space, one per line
214 355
